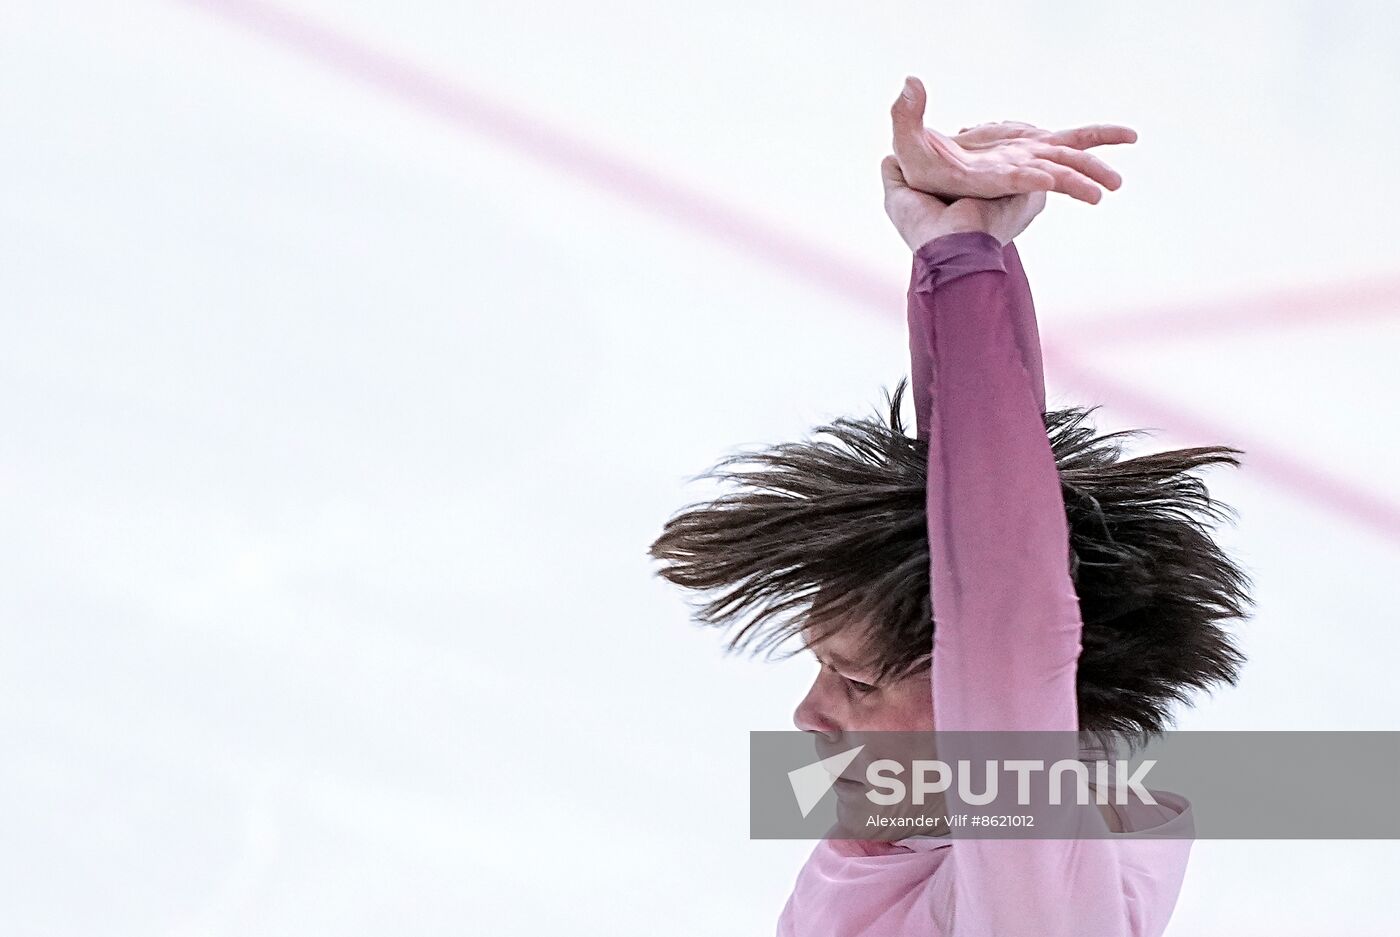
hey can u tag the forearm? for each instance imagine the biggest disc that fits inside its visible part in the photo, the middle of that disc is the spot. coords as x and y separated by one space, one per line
1027 331
1007 616
1021 310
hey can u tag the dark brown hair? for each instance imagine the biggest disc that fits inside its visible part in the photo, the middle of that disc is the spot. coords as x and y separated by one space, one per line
833 529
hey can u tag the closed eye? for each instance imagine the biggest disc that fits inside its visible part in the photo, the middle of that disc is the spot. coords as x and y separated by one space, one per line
855 686
859 687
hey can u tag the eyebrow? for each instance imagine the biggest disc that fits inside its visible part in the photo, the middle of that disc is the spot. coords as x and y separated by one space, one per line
836 659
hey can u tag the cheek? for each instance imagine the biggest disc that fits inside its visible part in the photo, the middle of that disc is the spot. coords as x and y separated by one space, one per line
905 707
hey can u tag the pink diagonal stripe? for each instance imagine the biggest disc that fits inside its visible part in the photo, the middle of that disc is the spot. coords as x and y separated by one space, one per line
752 236
1324 489
571 155
1359 300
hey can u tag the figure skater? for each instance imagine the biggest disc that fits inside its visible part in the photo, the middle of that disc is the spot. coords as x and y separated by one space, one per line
1004 569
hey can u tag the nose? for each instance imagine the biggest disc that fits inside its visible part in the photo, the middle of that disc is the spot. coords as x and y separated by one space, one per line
812 714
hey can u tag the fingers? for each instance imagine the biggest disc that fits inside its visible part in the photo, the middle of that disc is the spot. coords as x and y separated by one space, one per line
907 115
891 175
1079 138
1086 163
1025 179
1070 181
1093 135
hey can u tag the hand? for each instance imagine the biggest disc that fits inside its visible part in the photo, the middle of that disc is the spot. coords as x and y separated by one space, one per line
1004 158
920 217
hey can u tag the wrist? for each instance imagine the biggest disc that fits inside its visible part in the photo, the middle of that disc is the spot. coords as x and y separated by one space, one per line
953 255
924 237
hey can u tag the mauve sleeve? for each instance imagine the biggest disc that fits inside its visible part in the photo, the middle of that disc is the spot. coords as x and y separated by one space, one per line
1024 329
1006 616
1023 324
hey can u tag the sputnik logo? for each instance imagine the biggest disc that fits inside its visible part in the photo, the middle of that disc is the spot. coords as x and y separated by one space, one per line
811 782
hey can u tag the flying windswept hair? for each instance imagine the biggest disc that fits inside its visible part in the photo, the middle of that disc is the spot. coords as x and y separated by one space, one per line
830 530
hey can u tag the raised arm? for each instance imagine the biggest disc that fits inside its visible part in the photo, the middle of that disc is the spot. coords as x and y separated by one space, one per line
994 160
1007 624
1025 330
1006 617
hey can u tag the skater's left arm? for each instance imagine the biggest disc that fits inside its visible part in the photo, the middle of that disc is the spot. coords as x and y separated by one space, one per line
1007 626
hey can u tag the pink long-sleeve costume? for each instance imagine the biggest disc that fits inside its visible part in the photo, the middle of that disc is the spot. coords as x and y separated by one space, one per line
1006 642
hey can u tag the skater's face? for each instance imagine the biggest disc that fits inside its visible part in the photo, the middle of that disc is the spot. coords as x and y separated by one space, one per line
846 703
846 697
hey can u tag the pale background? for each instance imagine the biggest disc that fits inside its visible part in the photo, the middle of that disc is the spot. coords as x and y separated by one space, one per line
353 352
